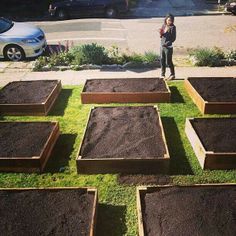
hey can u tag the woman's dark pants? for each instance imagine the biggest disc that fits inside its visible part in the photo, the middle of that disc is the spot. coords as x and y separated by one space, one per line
166 60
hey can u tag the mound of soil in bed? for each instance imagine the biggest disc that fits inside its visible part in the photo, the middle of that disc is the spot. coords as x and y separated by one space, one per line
218 135
23 139
190 211
125 132
43 213
126 85
215 89
27 92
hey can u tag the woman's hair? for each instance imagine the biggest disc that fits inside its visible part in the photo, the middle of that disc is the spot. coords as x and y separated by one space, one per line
169 16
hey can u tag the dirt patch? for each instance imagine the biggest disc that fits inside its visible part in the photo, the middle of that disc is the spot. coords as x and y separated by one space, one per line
217 135
27 92
144 179
125 85
123 132
215 89
190 211
58 212
23 139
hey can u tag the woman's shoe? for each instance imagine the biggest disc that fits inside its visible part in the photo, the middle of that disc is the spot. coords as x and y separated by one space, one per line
171 77
162 76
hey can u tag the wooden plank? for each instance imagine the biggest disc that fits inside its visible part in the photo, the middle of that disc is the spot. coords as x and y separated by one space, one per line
159 122
197 99
220 161
92 230
197 146
121 97
140 191
220 108
49 145
52 97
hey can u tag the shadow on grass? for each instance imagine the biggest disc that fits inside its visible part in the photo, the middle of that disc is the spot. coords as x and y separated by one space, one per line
111 220
179 164
60 156
176 97
61 103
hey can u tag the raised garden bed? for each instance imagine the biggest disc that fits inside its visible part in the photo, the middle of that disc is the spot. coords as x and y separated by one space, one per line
50 211
29 97
26 146
213 141
123 140
187 210
213 95
138 90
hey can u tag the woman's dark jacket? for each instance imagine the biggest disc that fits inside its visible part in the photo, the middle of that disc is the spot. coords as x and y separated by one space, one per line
168 37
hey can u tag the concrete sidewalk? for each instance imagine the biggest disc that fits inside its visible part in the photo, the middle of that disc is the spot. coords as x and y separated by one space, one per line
79 77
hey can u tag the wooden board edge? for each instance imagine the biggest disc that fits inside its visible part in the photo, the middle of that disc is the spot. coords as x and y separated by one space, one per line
53 139
56 92
167 154
195 142
92 231
195 96
78 156
139 191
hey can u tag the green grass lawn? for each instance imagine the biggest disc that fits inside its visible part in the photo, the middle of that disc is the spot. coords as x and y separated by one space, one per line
117 203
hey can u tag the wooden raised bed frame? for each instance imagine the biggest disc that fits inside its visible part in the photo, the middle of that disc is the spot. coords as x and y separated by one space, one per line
207 107
35 163
125 97
92 191
142 190
208 159
124 165
39 109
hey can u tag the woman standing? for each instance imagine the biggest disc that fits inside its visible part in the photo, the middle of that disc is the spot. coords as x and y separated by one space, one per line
168 36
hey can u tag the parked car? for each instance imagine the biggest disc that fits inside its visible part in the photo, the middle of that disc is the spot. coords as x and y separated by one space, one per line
20 40
78 8
231 7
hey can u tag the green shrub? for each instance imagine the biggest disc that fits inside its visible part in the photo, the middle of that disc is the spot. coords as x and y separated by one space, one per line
89 54
207 57
150 57
40 63
115 56
136 57
230 55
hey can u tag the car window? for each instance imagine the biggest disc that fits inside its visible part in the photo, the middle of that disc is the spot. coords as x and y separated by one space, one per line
5 25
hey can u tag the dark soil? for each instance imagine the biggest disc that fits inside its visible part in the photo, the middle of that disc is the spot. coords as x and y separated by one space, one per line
44 213
215 89
217 135
144 179
205 211
27 91
23 139
127 132
125 85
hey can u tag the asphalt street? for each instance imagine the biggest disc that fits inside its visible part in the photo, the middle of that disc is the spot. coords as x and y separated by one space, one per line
141 34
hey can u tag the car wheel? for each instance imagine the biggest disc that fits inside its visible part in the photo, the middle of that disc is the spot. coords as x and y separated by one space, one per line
14 53
61 14
111 12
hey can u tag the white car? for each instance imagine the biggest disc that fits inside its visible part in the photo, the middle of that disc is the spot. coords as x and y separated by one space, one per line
20 40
